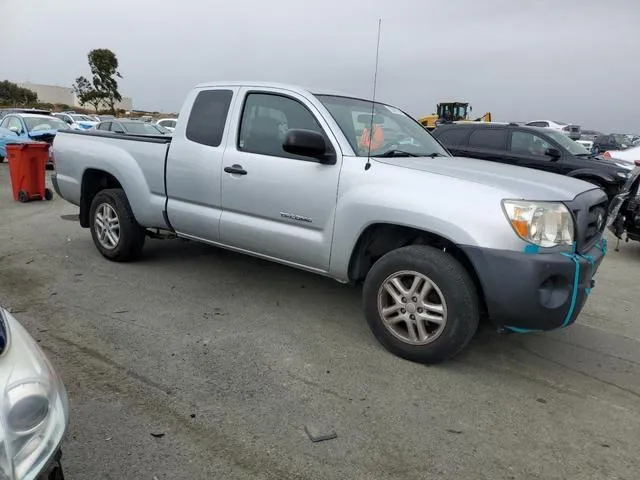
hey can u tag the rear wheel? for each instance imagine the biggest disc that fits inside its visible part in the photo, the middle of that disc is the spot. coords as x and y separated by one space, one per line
421 304
115 231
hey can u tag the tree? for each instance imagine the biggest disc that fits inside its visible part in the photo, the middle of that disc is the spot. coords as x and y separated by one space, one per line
87 93
12 94
104 69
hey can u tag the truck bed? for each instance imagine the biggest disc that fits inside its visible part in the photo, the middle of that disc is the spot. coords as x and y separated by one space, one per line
135 159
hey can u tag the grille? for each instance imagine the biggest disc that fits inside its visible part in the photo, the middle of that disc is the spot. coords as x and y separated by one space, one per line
590 216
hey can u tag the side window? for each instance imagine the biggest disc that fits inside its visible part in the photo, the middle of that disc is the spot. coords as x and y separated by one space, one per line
526 143
208 117
104 126
538 124
493 138
117 128
5 123
266 118
454 136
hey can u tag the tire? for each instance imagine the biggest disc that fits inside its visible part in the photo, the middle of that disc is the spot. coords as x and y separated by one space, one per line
454 287
23 196
48 194
130 235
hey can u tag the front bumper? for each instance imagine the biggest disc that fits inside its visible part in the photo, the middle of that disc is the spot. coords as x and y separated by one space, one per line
53 470
535 291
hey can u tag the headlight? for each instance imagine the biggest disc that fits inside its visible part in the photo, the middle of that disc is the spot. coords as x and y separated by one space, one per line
624 175
546 224
33 404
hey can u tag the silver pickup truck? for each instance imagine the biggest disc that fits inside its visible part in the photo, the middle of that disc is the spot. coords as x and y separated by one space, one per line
356 191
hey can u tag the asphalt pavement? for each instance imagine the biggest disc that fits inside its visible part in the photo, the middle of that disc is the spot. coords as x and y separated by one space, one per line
198 363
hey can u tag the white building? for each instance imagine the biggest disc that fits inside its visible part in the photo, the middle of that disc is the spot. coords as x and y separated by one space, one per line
65 95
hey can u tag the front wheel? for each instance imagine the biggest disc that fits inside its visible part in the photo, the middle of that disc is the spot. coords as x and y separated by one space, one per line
421 304
115 231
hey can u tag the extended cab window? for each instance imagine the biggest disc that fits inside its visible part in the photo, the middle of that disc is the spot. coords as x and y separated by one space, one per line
454 136
208 117
494 138
266 118
526 143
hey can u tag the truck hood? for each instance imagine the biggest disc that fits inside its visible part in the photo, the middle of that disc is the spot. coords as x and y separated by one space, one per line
515 182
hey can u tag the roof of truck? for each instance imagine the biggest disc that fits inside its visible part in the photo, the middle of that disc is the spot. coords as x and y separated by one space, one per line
283 86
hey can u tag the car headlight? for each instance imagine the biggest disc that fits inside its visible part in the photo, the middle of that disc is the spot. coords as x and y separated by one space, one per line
33 404
546 224
624 175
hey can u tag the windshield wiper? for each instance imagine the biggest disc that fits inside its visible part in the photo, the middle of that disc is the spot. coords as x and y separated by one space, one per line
402 153
395 153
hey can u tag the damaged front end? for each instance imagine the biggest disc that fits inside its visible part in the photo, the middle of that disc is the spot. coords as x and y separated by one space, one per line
624 213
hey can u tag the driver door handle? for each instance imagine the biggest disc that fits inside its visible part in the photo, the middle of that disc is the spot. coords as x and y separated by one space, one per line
235 169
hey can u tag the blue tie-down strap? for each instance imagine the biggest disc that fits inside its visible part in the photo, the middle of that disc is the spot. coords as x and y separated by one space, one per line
574 293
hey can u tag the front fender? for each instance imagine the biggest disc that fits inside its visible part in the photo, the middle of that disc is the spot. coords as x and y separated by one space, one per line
591 173
454 217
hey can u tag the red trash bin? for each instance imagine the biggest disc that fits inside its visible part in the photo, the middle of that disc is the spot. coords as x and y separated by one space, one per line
27 165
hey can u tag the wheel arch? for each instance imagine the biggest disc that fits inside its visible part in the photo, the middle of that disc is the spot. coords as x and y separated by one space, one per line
380 238
94 180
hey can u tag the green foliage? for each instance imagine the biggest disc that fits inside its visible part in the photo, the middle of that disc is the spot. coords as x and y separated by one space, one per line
104 68
87 93
12 94
103 87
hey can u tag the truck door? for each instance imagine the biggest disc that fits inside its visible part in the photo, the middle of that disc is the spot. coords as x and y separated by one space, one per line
275 203
194 164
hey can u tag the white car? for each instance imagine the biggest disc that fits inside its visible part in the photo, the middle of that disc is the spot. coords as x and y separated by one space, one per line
572 131
628 158
588 144
77 121
168 123
34 412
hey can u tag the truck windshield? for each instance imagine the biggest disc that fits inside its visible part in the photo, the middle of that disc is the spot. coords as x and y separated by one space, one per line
393 134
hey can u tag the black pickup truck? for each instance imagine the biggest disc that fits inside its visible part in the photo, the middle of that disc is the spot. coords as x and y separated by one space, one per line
533 147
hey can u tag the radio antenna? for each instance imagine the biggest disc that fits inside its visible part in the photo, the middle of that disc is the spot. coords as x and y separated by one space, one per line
373 100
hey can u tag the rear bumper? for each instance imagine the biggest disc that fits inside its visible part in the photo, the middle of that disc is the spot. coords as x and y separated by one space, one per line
535 292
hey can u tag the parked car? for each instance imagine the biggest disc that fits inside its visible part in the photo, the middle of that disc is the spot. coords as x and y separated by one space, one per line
26 127
612 141
587 144
630 156
35 412
296 177
131 127
532 147
77 121
6 111
572 131
168 123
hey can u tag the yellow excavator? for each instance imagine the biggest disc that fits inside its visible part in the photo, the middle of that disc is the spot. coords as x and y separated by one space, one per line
447 112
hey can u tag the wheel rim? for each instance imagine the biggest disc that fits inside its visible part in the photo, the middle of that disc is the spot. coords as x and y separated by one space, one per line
107 226
412 307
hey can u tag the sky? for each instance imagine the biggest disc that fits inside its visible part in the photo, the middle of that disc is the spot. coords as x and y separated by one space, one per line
521 60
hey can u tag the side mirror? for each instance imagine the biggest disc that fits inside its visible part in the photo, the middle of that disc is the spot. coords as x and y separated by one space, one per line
554 153
15 130
307 143
69 121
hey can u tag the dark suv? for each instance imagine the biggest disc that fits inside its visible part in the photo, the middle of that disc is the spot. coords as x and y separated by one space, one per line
533 147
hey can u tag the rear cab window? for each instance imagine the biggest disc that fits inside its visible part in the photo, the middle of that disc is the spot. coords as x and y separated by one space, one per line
208 117
490 138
